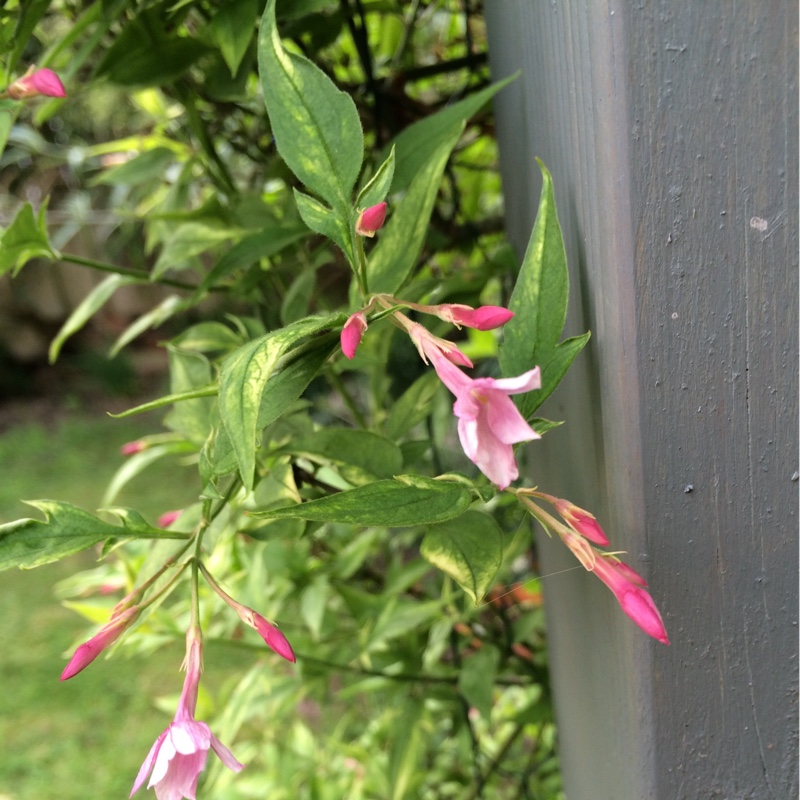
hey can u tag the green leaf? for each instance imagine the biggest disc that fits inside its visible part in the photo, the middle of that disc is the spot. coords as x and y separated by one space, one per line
407 742
539 301
418 142
87 308
27 543
316 127
368 451
8 113
287 385
145 54
469 550
413 406
208 337
251 249
232 29
141 169
326 221
476 679
167 308
378 186
167 400
244 376
393 503
191 418
25 238
186 242
404 234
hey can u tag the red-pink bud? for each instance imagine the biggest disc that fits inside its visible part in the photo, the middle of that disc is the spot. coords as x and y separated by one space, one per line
352 332
37 82
274 638
129 448
581 521
484 318
168 517
370 220
108 634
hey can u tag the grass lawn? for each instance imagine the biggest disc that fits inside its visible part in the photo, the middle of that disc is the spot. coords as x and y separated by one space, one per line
85 738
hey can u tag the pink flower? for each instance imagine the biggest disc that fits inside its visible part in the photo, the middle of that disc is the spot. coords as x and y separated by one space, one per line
626 584
431 347
179 755
485 318
108 634
370 220
272 637
351 334
168 517
36 82
578 519
129 448
488 421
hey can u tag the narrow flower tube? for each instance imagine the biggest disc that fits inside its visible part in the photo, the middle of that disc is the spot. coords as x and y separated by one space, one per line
180 753
370 220
624 582
109 633
35 83
352 332
272 637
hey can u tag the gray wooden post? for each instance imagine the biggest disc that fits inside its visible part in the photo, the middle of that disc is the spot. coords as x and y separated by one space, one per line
671 131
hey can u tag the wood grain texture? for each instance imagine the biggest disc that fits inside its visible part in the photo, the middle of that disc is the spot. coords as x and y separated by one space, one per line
670 129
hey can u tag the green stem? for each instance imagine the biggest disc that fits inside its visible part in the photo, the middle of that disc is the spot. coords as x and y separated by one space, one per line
361 272
494 766
139 274
338 384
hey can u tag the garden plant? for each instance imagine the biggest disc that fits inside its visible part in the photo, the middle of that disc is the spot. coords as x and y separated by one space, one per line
356 365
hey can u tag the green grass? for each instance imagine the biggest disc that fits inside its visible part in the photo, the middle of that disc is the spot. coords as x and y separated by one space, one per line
85 738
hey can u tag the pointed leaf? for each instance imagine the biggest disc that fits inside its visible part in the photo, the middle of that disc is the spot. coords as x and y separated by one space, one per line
167 308
66 530
244 376
232 28
393 503
378 186
25 238
316 127
87 308
417 143
539 301
326 221
469 550
186 242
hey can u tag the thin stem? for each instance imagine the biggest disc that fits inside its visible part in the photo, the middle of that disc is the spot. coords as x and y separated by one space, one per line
338 384
496 762
139 274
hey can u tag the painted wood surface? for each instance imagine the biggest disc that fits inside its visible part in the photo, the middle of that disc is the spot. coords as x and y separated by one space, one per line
671 131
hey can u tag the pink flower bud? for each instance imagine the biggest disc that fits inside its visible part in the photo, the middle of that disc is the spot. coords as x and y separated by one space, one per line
108 634
370 220
580 521
168 517
35 83
129 448
485 318
273 638
351 334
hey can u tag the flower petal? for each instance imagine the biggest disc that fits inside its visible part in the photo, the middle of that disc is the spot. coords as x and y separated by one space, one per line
505 421
225 755
147 764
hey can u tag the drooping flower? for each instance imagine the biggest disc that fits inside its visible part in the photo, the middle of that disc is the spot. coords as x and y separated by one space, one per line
370 220
484 318
431 347
179 754
109 633
488 421
580 520
35 83
272 637
626 584
352 332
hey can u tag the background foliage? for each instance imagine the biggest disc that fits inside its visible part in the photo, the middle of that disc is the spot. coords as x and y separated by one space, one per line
405 687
